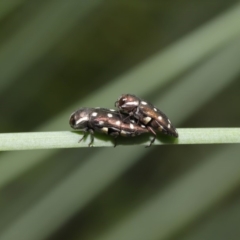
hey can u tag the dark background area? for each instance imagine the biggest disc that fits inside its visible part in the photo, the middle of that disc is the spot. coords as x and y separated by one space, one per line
56 56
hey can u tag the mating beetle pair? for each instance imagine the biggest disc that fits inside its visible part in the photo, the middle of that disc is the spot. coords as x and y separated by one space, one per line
133 117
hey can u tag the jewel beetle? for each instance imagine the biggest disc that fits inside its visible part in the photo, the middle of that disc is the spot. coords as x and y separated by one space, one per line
103 120
146 113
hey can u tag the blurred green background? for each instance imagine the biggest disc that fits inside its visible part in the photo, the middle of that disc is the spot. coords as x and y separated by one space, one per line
57 56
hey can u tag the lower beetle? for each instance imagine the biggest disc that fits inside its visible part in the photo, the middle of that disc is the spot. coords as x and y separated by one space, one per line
106 121
146 114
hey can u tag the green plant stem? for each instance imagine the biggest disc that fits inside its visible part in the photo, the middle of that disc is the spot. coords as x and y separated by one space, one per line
67 139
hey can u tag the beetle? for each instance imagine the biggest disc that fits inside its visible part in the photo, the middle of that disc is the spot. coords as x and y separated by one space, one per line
106 121
145 113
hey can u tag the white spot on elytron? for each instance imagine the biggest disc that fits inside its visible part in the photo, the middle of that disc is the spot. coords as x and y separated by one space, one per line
83 119
143 126
133 103
105 129
124 133
101 122
143 103
109 115
169 121
94 114
155 109
160 117
124 99
112 110
147 120
169 125
131 126
160 128
118 122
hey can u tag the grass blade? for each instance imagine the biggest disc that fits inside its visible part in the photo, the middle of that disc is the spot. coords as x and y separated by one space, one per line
46 140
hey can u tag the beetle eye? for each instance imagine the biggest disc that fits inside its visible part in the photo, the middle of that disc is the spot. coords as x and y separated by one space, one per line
122 101
72 120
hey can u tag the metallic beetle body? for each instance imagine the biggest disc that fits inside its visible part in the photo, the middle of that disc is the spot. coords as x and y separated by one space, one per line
106 121
146 114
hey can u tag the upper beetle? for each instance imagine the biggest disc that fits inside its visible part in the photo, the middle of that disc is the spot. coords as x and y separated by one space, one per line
106 121
146 114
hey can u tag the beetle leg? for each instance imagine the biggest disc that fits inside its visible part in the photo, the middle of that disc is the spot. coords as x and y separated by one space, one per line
84 135
153 140
114 135
92 137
